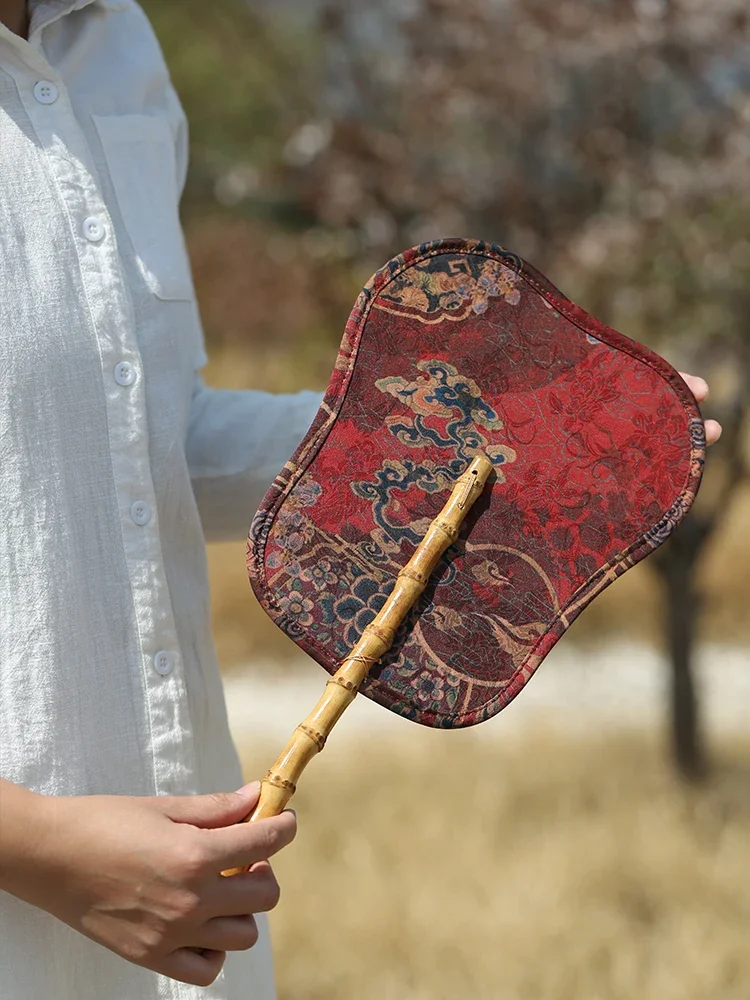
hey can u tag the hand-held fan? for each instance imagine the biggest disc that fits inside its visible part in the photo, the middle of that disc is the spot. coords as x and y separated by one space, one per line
461 365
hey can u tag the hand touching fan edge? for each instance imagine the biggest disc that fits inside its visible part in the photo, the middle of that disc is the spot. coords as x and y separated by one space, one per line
699 388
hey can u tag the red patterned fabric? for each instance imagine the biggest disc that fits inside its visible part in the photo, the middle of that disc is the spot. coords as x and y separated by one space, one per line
597 446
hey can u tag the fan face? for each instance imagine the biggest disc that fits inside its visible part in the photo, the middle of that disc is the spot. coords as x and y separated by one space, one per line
597 447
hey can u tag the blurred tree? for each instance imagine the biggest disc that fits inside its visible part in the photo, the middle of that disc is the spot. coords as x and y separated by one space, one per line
246 79
272 289
604 140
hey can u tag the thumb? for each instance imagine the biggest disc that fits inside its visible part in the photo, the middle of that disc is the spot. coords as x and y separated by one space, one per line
210 812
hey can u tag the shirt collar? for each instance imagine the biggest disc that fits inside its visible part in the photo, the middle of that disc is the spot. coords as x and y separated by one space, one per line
43 12
65 6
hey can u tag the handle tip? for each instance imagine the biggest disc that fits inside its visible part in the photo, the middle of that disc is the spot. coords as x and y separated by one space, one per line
481 467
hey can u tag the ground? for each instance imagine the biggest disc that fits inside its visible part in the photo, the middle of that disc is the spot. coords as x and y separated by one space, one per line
446 866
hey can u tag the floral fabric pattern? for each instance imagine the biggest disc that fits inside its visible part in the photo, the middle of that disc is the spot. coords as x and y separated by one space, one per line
451 288
597 448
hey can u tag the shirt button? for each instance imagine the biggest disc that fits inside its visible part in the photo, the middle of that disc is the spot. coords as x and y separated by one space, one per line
46 92
93 230
163 662
140 512
124 373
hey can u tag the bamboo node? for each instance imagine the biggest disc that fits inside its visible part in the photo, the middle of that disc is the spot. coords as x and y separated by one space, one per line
315 736
414 575
385 635
343 682
448 529
279 782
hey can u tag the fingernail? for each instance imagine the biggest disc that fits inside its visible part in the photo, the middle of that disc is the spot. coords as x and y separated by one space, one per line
252 789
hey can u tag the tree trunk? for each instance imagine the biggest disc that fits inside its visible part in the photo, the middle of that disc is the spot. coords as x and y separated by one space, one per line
678 572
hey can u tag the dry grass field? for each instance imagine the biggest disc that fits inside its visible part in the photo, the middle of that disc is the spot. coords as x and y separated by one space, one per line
550 870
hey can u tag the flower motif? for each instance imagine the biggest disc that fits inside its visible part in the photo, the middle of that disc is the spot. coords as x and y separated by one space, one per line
432 292
308 492
297 606
293 530
278 559
320 574
275 559
359 607
436 692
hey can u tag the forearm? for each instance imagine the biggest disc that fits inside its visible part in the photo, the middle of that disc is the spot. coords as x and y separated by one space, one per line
237 442
21 829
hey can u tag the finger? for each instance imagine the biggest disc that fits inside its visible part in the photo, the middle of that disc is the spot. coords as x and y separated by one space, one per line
713 431
197 967
247 843
698 386
256 891
228 934
212 811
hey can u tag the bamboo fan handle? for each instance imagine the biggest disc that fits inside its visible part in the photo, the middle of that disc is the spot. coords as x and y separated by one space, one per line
310 736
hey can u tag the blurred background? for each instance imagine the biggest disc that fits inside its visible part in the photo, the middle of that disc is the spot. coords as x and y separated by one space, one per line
593 841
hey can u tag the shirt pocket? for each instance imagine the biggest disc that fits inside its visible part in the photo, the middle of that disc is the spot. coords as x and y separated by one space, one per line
140 156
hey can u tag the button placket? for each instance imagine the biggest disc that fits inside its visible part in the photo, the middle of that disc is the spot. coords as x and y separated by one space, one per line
124 373
93 229
164 662
46 92
113 317
140 512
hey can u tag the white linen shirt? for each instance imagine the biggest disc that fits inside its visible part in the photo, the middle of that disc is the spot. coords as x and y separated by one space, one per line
115 460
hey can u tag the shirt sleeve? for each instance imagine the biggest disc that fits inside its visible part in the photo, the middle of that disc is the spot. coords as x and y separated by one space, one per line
238 441
179 126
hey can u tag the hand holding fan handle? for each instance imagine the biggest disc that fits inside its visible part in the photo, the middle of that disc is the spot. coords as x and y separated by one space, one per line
309 737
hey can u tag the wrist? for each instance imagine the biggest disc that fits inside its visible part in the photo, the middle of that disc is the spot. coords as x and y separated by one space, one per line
22 825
